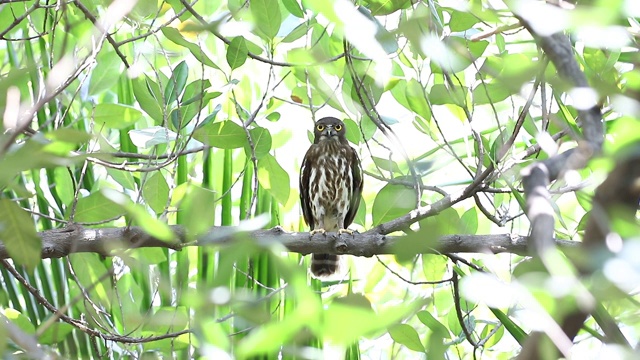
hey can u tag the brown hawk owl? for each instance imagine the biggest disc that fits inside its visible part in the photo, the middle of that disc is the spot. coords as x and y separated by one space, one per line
330 187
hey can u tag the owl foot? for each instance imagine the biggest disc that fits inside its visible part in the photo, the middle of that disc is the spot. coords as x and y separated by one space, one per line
347 231
317 231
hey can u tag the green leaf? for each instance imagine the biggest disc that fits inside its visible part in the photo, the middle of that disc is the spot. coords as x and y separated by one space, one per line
88 269
116 116
294 8
211 117
196 93
96 208
299 31
237 52
595 59
167 319
268 337
194 99
18 234
352 131
407 336
585 199
183 115
369 128
436 326
64 185
363 320
146 99
501 44
129 312
392 202
177 7
69 135
197 210
149 256
261 139
155 192
368 85
223 135
55 333
274 116
273 178
386 164
386 7
361 214
9 13
144 9
415 96
512 69
122 177
495 338
177 82
461 21
513 329
267 17
469 222
490 93
433 266
18 319
436 348
459 54
174 35
443 95
148 223
446 222
31 154
104 75
626 132
454 323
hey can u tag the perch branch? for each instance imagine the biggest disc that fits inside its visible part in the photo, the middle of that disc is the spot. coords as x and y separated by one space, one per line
109 241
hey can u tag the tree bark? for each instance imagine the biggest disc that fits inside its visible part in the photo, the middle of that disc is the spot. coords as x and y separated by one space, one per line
110 241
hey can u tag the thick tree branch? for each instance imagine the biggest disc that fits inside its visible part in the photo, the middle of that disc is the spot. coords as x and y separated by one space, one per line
616 197
537 177
109 241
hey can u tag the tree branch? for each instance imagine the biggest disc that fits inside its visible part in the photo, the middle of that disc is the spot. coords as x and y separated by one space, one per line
617 197
538 176
109 241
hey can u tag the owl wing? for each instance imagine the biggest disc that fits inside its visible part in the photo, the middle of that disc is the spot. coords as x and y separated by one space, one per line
356 186
305 178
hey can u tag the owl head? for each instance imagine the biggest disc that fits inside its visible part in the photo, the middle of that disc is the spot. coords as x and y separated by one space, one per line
329 128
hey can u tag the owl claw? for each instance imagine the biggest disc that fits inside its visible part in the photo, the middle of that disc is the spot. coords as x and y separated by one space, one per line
317 231
342 231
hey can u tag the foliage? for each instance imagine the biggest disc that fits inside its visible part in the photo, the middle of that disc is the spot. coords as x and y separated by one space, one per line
198 114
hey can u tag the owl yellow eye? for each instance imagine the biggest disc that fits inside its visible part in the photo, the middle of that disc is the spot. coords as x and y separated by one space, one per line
338 127
320 127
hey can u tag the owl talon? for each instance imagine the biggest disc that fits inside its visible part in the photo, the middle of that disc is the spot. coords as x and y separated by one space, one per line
317 231
347 231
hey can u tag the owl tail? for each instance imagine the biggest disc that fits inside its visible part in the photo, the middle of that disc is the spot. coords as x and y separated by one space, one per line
323 265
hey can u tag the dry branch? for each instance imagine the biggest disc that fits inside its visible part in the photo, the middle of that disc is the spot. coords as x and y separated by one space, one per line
109 241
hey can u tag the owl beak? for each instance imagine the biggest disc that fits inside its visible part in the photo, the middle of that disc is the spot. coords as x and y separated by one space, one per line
329 131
